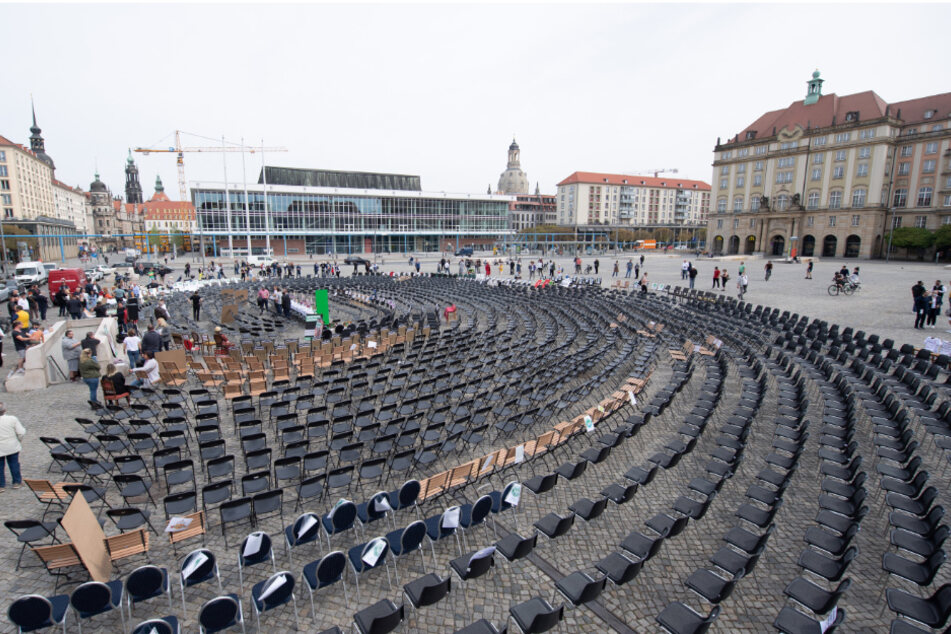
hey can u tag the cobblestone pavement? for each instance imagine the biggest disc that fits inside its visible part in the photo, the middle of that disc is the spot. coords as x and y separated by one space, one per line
633 607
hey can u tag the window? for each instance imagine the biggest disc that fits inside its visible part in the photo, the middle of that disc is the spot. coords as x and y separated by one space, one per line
843 137
743 152
719 223
787 161
752 223
947 203
906 150
740 181
741 168
736 223
819 141
911 131
5 185
838 172
758 166
935 128
861 170
868 133
3 170
858 198
840 155
896 222
757 180
721 205
835 199
904 169
865 152
931 147
738 203
856 219
817 173
783 177
921 222
726 155
782 202
724 169
924 196
810 220
812 201
819 158
761 149
927 167
754 203
831 221
6 199
3 156
723 183
788 145
901 196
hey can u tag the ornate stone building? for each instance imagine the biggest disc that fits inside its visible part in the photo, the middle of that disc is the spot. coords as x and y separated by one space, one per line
513 180
830 176
133 190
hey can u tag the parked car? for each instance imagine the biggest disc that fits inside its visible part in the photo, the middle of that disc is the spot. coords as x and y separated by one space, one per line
7 288
356 260
31 273
106 269
465 252
143 268
93 275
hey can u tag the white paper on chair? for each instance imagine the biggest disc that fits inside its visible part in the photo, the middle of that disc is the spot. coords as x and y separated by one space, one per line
353 347
932 344
253 545
632 398
588 424
450 519
177 524
827 622
696 347
306 525
514 495
371 344
272 587
520 454
372 555
195 563
381 504
482 554
487 462
153 631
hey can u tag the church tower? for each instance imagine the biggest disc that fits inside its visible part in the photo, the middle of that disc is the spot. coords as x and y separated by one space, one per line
814 91
133 190
513 180
37 144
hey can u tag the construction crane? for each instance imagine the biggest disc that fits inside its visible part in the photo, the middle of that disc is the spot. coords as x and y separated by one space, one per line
659 170
180 159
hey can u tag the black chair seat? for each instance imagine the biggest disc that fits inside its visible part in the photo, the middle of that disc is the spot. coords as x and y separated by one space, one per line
640 475
764 495
704 486
541 484
481 626
461 566
381 617
829 568
732 561
587 509
553 525
417 589
680 619
921 546
921 574
933 611
513 546
580 588
642 546
756 516
821 538
572 470
618 493
817 599
536 615
618 568
792 621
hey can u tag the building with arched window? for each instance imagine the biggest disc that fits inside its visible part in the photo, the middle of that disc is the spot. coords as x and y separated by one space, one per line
830 176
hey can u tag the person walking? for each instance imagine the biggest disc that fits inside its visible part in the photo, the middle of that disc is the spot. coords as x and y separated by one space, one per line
89 370
937 299
741 284
629 267
769 270
616 269
716 277
11 433
724 278
132 344
196 305
644 284
598 264
692 274
809 270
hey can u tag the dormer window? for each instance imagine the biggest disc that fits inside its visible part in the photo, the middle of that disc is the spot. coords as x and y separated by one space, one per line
930 113
750 135
852 117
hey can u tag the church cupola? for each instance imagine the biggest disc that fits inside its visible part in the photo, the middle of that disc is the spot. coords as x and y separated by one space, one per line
815 89
37 144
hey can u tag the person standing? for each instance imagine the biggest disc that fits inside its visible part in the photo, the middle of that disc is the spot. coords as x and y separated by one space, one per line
616 270
937 297
684 270
11 433
642 260
741 284
196 305
89 370
692 274
922 305
598 264
769 269
724 278
21 341
71 352
164 332
629 268
132 344
151 341
917 291
809 270
716 277
286 303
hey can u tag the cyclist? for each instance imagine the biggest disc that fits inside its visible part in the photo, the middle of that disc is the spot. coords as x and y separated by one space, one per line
854 278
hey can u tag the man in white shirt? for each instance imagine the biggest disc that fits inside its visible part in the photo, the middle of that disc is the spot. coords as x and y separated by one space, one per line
11 433
149 370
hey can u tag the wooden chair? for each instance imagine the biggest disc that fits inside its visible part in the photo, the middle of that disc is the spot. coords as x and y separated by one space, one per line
58 556
49 493
197 527
109 392
127 544
233 390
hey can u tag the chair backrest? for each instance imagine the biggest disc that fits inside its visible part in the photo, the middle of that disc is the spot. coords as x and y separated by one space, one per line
408 494
30 612
263 552
90 597
343 516
299 534
386 622
219 613
546 620
434 593
330 568
369 547
412 537
478 566
144 581
158 626
280 595
480 510
203 570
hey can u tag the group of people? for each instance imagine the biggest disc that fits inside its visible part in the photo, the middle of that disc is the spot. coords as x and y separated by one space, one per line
927 303
281 298
722 276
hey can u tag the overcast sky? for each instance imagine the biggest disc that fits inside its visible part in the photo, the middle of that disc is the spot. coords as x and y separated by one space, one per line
439 89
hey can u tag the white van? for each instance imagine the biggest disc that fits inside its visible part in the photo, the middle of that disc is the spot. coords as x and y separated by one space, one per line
28 273
260 260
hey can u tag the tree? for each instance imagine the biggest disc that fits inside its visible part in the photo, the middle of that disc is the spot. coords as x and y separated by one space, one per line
942 238
909 238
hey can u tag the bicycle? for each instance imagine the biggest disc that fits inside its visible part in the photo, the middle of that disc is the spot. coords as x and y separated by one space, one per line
845 288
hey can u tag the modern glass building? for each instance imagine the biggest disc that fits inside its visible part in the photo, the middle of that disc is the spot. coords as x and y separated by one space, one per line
372 213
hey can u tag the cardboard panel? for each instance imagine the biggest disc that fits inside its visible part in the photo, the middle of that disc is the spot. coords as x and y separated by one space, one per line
228 313
88 539
178 357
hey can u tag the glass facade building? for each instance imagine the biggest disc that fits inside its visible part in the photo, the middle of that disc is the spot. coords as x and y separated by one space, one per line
318 220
